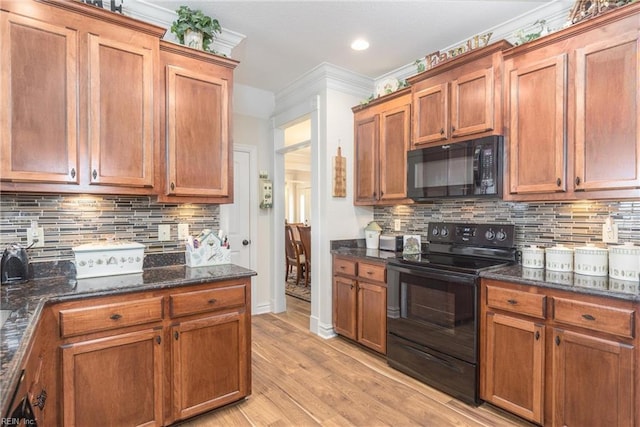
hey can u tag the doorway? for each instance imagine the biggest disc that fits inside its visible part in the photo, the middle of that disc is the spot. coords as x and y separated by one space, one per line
297 208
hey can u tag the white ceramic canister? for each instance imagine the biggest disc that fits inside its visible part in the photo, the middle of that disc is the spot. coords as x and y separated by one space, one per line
591 260
559 258
533 257
624 261
533 273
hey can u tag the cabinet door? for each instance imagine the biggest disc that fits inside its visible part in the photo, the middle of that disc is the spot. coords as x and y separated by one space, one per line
211 361
372 316
121 113
344 307
592 381
514 365
394 144
116 380
430 114
472 103
366 160
537 155
197 134
607 106
39 114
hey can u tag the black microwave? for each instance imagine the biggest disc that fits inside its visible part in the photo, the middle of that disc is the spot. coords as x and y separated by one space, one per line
471 168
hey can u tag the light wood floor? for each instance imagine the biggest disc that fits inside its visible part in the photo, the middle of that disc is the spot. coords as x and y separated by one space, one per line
300 379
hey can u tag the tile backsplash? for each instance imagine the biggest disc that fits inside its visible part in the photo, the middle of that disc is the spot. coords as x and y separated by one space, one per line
69 220
540 223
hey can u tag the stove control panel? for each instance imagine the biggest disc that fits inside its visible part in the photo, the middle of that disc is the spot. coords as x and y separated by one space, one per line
491 235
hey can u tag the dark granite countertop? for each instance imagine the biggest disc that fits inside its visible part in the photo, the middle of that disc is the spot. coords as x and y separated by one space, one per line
371 254
567 281
26 301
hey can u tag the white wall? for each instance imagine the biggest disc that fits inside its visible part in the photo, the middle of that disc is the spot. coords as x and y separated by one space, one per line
251 126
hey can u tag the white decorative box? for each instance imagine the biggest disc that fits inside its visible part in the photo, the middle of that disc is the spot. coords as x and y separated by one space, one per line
108 259
209 251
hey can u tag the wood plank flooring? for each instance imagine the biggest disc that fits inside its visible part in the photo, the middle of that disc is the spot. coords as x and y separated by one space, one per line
300 379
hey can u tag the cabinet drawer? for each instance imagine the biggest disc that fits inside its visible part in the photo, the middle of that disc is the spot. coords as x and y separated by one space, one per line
77 321
206 300
612 320
371 271
515 301
344 266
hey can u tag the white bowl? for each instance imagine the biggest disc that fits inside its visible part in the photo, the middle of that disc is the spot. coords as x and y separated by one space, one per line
624 262
591 260
533 257
559 258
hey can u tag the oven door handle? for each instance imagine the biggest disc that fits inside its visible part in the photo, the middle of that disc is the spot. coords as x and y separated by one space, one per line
434 358
425 272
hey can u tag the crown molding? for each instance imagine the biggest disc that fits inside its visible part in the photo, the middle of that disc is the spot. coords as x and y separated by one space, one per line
144 11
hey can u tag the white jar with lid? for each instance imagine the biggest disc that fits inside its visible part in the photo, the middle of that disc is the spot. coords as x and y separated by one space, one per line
624 261
533 257
559 258
591 260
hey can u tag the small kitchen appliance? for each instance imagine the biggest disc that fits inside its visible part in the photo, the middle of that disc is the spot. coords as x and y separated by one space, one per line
391 243
15 264
470 168
433 304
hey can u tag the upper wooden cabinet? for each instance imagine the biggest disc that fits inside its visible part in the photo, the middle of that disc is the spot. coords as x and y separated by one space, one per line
39 114
572 111
459 99
80 113
381 142
196 144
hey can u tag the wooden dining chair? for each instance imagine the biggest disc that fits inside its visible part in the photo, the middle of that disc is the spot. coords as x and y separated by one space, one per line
293 252
305 239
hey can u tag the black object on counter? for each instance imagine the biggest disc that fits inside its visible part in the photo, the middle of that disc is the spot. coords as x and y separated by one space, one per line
14 264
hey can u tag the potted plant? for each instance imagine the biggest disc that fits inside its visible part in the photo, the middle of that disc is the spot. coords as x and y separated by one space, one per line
195 29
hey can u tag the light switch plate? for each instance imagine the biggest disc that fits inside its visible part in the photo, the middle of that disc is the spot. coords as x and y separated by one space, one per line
164 232
397 225
183 231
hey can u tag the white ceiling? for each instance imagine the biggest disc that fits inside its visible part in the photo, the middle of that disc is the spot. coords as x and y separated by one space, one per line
285 39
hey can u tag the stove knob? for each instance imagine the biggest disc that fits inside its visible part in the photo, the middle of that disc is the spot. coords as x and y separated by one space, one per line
501 235
435 231
444 232
490 235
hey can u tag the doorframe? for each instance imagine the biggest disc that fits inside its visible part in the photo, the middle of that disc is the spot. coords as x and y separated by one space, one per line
308 109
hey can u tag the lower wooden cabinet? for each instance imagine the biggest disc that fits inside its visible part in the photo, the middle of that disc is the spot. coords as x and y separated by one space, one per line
209 361
360 302
559 358
123 371
154 358
592 381
515 365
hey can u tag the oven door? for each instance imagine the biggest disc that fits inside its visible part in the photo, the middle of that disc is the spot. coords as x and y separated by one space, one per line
433 308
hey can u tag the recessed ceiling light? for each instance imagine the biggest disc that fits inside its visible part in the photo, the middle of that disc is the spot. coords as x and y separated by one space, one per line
360 44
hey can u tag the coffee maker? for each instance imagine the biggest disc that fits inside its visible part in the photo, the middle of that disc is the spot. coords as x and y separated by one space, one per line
14 265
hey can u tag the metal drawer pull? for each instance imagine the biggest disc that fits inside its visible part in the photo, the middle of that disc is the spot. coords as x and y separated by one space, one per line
512 301
212 301
588 317
370 273
115 316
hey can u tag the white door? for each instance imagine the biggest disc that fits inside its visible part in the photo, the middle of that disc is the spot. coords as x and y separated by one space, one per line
236 218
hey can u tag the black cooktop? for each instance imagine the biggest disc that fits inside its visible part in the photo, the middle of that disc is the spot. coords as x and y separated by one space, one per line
456 263
465 248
